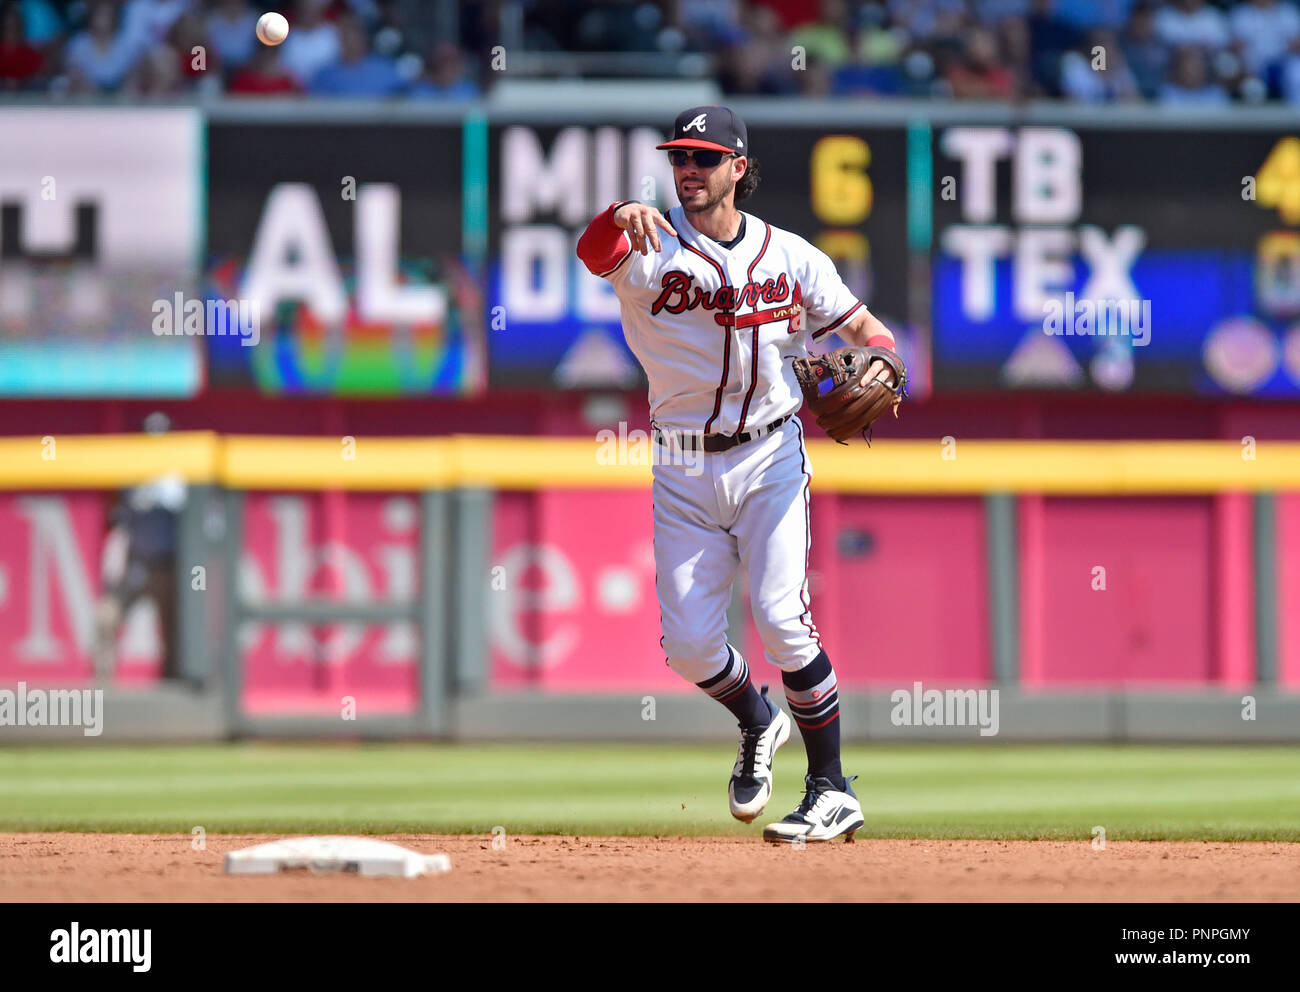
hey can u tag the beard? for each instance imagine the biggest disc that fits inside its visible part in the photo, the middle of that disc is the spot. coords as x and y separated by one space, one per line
715 193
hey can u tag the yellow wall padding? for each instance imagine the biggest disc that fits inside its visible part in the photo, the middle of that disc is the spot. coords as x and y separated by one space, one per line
619 462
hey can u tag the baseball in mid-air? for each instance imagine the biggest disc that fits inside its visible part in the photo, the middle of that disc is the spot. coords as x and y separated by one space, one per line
272 28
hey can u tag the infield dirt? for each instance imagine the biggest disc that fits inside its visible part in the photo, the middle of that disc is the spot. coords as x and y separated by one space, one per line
70 867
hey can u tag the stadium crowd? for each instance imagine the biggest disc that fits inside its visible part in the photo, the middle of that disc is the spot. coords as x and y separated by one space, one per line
1184 52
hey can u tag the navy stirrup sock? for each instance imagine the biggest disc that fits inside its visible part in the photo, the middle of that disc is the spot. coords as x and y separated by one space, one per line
734 689
815 705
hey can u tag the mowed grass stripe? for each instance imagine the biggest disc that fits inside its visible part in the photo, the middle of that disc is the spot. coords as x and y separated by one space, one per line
883 799
932 791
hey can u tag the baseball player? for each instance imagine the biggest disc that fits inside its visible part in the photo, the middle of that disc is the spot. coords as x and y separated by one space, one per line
717 306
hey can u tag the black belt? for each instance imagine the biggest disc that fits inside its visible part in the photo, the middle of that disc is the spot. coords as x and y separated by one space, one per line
689 441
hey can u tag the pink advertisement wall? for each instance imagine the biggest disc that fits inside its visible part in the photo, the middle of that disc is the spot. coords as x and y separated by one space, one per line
1112 592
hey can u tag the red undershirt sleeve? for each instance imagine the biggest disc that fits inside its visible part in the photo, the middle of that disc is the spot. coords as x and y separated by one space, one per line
604 245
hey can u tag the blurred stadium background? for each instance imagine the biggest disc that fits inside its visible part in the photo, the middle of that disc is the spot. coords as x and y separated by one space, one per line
412 499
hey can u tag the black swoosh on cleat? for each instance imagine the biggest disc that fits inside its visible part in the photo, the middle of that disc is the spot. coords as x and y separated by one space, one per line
830 817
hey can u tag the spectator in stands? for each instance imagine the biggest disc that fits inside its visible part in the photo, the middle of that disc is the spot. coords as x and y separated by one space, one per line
359 71
880 45
149 22
313 42
1013 39
20 63
1289 76
1049 39
446 76
618 27
1092 15
1097 73
1191 22
264 76
761 64
826 40
815 80
1144 52
877 69
103 55
849 47
42 26
979 75
196 57
232 27
366 11
790 13
711 24
1263 31
991 13
1188 84
930 20
157 73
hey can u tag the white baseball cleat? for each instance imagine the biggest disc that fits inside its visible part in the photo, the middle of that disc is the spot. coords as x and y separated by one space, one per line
751 778
824 814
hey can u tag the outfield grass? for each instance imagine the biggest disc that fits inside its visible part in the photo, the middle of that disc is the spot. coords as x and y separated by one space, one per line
931 791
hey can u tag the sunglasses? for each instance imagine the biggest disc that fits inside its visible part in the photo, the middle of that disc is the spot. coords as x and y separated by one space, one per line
705 158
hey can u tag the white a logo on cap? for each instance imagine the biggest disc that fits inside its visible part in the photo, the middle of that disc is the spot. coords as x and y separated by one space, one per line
698 124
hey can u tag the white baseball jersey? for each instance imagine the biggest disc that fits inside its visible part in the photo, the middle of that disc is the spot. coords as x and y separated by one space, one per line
716 328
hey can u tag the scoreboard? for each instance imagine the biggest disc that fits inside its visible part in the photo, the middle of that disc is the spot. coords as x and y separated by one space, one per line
1048 257
1194 233
437 257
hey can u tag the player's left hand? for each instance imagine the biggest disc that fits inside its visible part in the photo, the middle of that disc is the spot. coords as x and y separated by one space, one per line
879 370
846 400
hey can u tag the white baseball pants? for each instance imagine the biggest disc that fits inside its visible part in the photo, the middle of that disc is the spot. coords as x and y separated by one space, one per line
747 506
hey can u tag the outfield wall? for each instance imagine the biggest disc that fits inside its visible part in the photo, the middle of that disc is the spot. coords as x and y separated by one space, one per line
495 587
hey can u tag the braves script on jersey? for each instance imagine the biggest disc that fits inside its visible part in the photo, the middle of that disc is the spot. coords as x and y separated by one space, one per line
715 328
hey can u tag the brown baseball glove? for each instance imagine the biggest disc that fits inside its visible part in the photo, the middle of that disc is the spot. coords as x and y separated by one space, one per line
833 390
